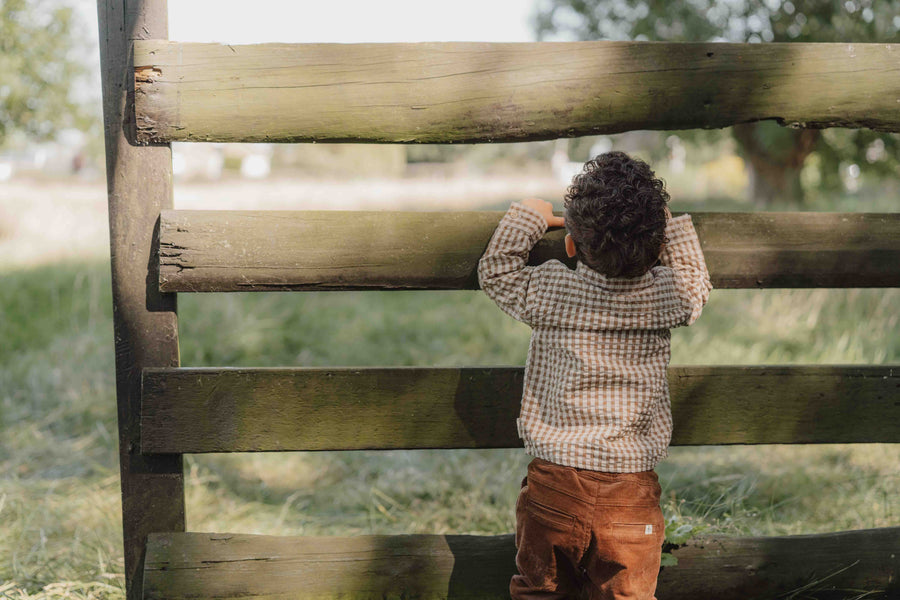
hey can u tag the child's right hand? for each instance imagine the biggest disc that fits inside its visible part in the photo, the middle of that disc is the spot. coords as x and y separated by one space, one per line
546 210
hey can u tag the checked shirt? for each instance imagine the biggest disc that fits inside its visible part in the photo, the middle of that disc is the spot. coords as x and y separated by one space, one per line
595 394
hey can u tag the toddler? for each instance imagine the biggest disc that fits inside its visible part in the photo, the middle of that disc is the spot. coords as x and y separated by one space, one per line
595 408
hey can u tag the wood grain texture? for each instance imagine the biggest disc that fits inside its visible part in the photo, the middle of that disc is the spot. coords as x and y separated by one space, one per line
207 565
214 251
493 92
139 183
272 409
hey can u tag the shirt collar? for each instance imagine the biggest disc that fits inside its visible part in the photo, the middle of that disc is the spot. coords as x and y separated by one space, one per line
614 283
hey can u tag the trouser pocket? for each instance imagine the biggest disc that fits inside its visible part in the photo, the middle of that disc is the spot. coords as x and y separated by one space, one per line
547 527
624 556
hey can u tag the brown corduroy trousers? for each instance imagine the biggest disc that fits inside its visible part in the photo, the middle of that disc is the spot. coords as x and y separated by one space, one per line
587 534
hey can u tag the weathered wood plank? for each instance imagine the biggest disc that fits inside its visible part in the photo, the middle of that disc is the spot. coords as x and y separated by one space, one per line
492 92
207 565
271 409
139 182
212 251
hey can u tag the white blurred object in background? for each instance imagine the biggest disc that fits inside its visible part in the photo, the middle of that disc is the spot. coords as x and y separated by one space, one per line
603 145
563 169
198 161
677 154
256 166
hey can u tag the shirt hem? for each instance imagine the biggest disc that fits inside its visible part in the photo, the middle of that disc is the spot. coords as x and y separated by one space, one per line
561 455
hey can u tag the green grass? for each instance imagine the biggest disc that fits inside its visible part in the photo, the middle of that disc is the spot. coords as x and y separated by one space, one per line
60 530
59 492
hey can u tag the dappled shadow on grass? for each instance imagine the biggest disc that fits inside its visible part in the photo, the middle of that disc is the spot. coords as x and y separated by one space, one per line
425 491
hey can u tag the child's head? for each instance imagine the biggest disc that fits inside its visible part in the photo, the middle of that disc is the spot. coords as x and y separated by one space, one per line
616 215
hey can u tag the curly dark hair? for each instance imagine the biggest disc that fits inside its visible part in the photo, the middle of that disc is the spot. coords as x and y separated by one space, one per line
616 214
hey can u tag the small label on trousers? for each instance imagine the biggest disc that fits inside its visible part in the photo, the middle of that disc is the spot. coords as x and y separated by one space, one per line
648 529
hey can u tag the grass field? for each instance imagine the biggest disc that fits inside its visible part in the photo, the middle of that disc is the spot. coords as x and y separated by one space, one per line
59 495
60 527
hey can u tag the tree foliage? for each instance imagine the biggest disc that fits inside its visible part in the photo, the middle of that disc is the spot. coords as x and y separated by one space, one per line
774 154
38 68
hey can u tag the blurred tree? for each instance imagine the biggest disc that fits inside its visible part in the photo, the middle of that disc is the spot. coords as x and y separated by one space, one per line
775 155
37 68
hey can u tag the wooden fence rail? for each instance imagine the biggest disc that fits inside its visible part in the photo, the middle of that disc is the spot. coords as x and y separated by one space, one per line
264 409
492 92
215 251
465 567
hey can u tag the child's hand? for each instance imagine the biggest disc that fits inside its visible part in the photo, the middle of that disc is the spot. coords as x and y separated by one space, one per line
546 210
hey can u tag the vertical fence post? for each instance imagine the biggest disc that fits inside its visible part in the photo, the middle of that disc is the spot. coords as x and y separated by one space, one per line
139 184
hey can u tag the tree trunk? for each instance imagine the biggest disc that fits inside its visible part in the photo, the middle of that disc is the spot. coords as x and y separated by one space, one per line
774 156
773 183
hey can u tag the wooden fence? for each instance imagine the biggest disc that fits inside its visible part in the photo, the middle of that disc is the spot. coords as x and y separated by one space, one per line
482 92
156 91
228 251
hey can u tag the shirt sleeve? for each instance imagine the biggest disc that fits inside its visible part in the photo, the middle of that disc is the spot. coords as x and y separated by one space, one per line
684 256
502 270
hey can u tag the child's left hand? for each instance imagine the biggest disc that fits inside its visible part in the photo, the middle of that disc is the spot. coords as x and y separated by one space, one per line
546 210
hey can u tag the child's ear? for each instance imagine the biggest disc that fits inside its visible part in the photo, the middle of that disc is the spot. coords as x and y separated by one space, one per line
570 246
